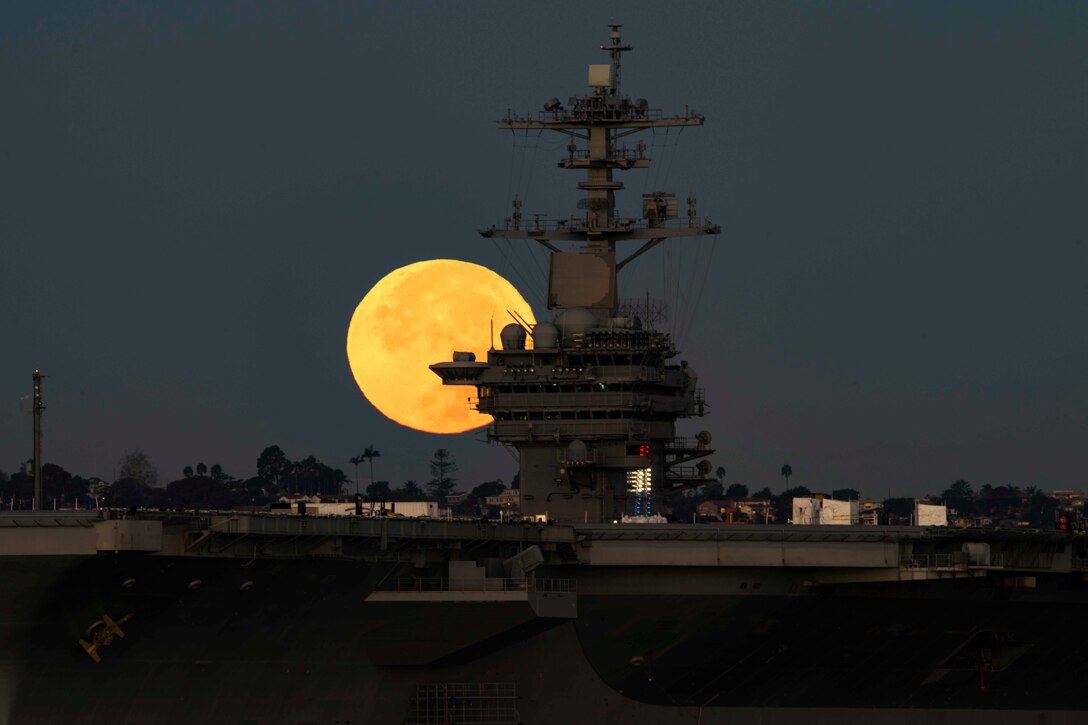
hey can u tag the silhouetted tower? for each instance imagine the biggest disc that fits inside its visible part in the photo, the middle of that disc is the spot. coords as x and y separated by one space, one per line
38 408
589 399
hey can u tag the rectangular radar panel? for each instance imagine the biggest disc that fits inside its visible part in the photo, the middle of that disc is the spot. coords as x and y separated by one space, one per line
600 75
582 279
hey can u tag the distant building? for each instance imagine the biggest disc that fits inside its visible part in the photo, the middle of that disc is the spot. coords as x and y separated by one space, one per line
510 498
838 513
824 511
869 511
756 510
713 508
455 498
928 514
1069 497
806 511
296 497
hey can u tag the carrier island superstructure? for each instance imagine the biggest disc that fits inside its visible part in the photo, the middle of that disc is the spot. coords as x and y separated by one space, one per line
590 399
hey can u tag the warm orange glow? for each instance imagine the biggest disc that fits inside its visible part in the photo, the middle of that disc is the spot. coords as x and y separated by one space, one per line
418 315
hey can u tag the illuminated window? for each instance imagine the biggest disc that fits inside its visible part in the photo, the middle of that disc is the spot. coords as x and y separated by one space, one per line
640 483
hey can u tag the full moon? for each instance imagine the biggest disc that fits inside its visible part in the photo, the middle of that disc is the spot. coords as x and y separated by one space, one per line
418 315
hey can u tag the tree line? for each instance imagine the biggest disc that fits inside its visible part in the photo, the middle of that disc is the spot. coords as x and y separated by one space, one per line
1007 502
211 487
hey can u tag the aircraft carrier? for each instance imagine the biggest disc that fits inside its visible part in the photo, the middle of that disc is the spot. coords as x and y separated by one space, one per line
594 610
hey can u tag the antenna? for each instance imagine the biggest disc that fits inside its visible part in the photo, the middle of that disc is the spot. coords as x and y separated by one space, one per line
594 125
520 320
616 49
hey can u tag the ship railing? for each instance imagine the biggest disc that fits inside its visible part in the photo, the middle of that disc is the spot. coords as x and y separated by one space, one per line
571 428
685 473
582 401
592 109
951 560
487 584
584 224
471 703
574 403
554 586
627 154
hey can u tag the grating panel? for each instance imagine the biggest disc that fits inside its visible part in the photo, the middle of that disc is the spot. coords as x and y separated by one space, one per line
471 703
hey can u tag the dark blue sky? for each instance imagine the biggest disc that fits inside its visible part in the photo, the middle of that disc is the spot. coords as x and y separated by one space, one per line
195 196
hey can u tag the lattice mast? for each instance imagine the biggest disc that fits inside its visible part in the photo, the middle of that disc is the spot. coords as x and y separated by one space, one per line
597 124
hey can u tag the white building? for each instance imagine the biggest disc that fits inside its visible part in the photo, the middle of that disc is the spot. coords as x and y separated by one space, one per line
824 512
927 514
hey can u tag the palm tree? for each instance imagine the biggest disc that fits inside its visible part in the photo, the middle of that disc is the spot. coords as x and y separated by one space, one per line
187 471
356 460
370 454
787 471
201 469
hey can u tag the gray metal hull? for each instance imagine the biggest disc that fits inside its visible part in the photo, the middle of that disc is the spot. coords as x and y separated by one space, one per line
288 641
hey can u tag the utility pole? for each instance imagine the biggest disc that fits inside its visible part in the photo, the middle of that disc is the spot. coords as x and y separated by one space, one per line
38 408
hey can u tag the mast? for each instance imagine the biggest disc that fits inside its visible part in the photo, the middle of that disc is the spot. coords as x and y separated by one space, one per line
38 408
597 125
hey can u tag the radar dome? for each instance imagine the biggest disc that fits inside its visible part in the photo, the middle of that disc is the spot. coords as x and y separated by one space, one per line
513 337
545 336
577 452
575 321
